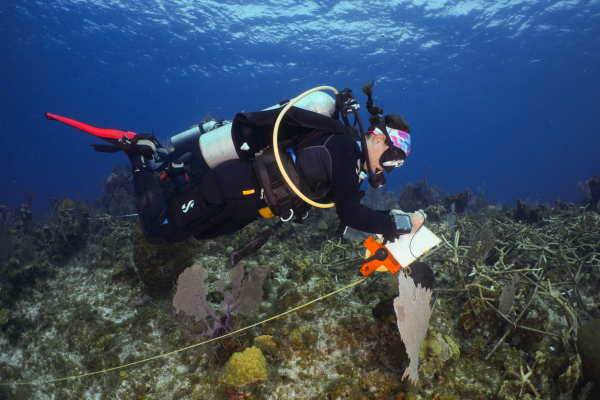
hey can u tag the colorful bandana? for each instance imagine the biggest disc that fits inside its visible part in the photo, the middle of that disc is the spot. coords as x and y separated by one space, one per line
399 138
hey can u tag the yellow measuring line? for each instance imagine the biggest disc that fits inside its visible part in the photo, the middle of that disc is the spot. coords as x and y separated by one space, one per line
185 348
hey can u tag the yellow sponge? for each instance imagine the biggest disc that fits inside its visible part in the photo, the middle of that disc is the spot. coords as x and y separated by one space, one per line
245 367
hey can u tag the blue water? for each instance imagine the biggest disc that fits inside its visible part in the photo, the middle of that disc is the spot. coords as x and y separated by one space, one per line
501 98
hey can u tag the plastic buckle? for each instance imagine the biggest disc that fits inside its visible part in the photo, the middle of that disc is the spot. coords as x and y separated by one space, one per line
289 218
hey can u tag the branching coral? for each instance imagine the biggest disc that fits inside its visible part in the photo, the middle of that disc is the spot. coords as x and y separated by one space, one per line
524 378
551 258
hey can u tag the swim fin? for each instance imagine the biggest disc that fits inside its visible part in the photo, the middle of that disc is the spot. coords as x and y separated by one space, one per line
102 133
129 142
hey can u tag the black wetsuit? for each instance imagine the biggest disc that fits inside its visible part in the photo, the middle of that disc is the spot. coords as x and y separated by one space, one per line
338 166
228 197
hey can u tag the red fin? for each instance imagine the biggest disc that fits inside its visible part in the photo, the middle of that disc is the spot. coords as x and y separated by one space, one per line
100 132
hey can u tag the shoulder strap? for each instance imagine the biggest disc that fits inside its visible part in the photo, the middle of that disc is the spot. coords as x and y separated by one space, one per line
298 128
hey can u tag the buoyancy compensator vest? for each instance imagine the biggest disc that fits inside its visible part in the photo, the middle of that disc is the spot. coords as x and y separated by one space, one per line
279 134
250 137
297 129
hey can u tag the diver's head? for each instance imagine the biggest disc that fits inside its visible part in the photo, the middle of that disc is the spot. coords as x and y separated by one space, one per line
388 138
376 146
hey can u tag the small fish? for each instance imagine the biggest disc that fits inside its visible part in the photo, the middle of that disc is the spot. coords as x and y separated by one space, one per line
219 108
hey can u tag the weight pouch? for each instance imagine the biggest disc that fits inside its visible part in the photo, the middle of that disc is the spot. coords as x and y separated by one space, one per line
193 207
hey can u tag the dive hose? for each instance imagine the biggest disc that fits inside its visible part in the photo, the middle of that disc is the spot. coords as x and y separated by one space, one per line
276 148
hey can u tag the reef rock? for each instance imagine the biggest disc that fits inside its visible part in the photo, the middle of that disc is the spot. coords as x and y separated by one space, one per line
588 345
159 266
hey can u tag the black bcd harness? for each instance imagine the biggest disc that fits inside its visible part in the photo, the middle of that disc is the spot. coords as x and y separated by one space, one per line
297 129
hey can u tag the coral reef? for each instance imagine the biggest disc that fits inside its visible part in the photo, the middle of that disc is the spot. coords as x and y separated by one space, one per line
380 199
72 301
459 201
265 343
157 266
588 345
591 192
116 198
7 247
525 213
480 204
418 196
69 233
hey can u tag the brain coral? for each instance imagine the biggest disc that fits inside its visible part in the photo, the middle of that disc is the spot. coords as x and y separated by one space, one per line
245 367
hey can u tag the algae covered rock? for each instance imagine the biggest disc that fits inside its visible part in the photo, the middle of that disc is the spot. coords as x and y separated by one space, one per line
303 337
7 246
525 213
69 234
4 315
454 349
299 264
435 351
430 346
159 266
67 205
588 345
573 372
265 343
246 367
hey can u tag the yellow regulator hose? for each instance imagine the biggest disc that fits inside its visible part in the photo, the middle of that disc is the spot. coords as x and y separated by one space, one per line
276 148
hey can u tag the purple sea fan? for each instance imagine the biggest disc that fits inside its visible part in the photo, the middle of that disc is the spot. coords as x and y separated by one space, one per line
191 292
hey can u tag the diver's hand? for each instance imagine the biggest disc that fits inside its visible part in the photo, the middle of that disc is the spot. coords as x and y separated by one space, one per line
418 219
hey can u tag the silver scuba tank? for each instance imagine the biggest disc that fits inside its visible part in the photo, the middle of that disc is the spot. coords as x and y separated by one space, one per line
217 145
191 135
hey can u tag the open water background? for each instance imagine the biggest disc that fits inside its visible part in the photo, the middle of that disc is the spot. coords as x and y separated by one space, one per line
501 96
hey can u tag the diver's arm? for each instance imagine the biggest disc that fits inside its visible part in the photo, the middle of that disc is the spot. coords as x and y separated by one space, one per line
345 156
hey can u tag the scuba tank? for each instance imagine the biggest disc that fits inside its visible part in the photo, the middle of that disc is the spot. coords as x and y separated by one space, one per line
220 143
191 135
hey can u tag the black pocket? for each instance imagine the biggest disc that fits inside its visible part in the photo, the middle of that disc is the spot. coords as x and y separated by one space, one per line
193 207
278 194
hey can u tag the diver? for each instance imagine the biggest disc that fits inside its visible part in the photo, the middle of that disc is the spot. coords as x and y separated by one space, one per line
324 160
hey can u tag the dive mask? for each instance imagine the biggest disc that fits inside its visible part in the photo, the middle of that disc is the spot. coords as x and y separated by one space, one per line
398 148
